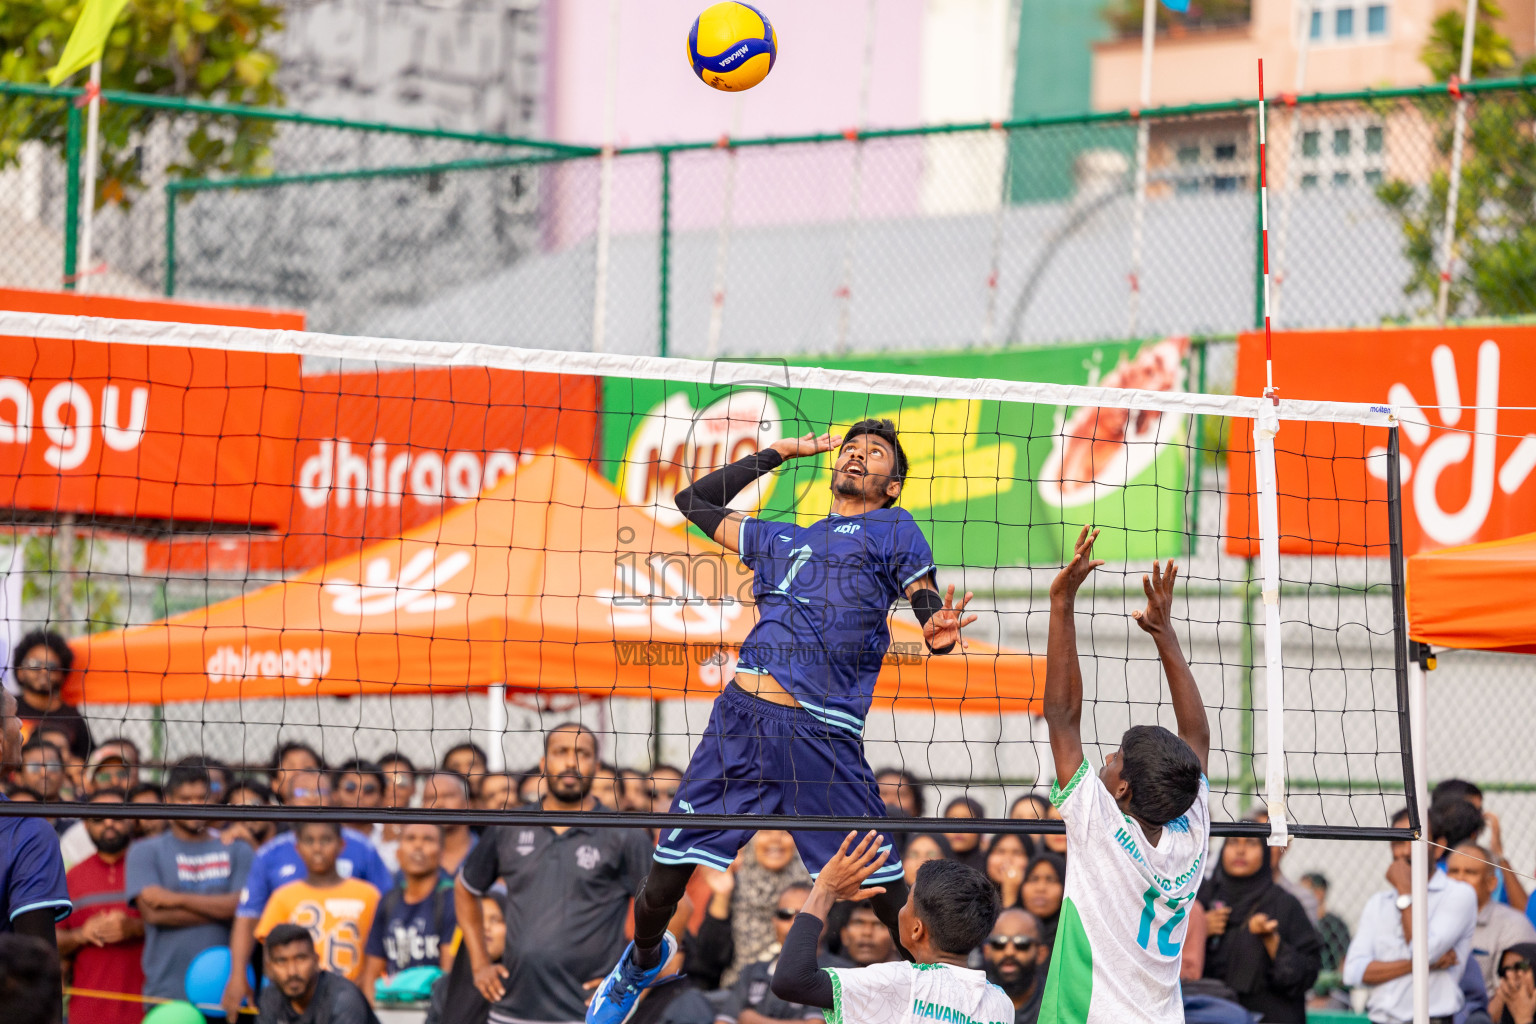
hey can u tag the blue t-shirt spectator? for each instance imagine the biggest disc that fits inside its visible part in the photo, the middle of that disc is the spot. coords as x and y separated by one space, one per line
413 934
31 870
278 862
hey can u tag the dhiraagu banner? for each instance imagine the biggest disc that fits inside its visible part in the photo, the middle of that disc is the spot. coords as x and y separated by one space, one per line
990 483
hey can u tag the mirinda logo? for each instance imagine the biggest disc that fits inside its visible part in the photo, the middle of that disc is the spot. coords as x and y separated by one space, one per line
1455 464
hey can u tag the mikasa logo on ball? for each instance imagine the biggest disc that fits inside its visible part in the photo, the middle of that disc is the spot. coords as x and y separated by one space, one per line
735 56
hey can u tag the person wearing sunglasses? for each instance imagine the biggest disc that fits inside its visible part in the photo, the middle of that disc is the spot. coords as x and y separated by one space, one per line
43 660
1514 1001
1014 957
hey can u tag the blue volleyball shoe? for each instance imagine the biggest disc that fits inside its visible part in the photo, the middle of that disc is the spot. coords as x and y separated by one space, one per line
619 993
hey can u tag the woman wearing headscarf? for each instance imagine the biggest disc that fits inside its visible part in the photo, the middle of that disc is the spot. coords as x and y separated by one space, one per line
1045 882
1260 942
1007 857
966 847
1514 1000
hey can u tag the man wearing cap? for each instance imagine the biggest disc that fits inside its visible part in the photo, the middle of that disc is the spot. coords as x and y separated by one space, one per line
112 765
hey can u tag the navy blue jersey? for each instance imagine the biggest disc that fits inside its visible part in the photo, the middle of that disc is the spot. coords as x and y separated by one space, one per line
823 595
31 870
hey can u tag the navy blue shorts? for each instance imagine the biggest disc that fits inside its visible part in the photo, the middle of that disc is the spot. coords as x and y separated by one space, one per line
761 758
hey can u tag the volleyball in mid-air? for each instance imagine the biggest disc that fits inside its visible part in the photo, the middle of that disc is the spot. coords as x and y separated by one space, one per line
732 46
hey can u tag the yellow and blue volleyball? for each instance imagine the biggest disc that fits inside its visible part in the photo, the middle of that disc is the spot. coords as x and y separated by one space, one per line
732 46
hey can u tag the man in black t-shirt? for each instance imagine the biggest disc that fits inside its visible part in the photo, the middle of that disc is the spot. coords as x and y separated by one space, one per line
43 660
301 993
568 893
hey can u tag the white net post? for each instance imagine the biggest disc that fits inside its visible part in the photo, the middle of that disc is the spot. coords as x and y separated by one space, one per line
1265 427
1421 859
496 726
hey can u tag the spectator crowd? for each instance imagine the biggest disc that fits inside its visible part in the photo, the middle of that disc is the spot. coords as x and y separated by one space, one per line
512 924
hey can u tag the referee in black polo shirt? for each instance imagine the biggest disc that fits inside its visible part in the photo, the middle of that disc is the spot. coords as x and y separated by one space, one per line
568 892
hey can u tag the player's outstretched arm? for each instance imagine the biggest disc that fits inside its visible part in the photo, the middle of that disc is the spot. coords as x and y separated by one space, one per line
1157 620
1063 674
704 503
797 978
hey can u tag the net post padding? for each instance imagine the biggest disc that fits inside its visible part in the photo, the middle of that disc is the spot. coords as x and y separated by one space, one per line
1265 426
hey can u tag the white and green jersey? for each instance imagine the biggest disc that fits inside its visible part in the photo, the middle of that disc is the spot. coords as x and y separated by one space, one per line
903 993
1122 925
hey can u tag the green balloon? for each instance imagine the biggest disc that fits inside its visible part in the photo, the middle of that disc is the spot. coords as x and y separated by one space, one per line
174 1013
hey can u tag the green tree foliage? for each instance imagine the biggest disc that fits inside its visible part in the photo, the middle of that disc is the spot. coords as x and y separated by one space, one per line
1496 206
196 49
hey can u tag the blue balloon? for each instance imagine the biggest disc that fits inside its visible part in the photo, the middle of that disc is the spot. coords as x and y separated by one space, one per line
206 977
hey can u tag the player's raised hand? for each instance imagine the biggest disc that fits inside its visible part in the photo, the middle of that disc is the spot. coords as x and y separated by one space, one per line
942 630
1158 616
844 875
1076 571
808 444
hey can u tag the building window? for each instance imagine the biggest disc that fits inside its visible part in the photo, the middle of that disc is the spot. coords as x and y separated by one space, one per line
1347 22
1355 151
1205 163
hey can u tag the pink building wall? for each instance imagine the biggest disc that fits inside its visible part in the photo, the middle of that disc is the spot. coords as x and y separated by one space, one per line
814 87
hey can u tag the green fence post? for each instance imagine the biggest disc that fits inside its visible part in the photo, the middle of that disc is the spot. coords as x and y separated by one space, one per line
664 286
170 239
1196 455
71 194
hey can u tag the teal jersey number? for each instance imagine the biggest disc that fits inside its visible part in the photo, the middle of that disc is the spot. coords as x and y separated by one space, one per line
1150 900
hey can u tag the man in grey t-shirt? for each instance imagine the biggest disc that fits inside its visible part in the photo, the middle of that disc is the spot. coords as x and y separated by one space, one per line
568 892
186 885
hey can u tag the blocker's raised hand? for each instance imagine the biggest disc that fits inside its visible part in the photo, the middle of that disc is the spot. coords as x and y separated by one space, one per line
846 873
1076 571
1158 616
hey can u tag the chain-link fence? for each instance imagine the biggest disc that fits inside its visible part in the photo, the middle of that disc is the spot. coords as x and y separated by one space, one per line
955 236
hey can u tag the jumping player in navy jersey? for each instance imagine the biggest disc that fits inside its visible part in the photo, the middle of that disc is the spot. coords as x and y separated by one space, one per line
786 735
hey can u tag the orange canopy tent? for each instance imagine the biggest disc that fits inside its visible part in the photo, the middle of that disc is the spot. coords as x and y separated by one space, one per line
547 584
1479 597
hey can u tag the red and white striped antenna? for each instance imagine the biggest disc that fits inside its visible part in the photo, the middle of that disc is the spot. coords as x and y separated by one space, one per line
1269 358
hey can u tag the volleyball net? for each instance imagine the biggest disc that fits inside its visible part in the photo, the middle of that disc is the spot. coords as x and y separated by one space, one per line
378 545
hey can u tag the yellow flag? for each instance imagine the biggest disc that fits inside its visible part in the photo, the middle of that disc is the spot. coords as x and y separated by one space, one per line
88 39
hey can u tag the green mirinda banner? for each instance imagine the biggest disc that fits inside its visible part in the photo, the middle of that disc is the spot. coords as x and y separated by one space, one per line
990 483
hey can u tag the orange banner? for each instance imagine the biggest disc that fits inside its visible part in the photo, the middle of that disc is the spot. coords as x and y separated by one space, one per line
1465 464
144 432
381 453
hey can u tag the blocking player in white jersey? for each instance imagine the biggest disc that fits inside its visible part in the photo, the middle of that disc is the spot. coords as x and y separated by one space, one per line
1137 832
950 910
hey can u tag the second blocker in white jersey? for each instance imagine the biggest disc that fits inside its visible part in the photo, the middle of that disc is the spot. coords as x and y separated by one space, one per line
1123 915
903 993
